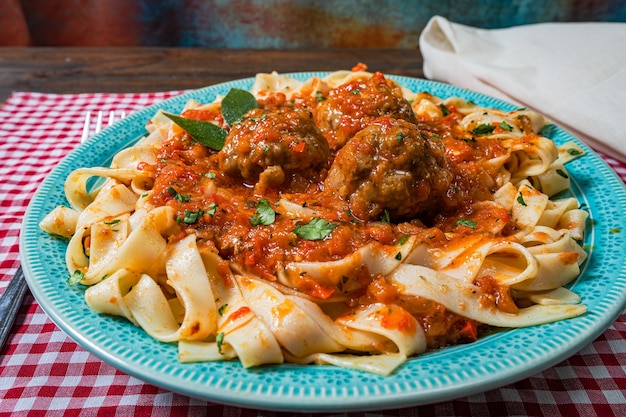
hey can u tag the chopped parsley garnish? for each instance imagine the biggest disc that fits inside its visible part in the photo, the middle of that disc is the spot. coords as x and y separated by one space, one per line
562 173
403 240
210 174
398 256
219 339
316 229
177 195
399 136
211 209
222 309
192 217
520 199
112 222
466 222
505 126
574 152
264 214
444 109
76 277
385 217
483 130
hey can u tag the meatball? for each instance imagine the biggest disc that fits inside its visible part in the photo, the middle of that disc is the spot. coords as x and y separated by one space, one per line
390 165
273 140
352 106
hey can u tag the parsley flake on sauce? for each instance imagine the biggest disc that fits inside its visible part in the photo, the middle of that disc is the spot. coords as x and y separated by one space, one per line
180 197
466 222
483 130
316 229
520 199
505 126
264 214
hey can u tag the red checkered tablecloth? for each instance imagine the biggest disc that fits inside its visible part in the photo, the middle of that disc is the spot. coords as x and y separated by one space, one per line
43 372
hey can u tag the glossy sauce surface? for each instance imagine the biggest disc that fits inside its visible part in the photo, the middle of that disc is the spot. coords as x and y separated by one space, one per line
219 205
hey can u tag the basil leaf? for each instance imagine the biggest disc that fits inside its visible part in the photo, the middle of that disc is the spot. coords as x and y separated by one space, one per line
316 229
483 130
264 213
237 103
206 133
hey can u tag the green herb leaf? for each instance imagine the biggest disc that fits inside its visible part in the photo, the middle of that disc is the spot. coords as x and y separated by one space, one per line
483 130
466 222
222 309
385 217
398 256
211 209
112 222
403 240
237 103
192 217
264 213
76 277
219 339
444 109
520 199
180 197
206 133
574 152
562 173
316 229
505 126
399 136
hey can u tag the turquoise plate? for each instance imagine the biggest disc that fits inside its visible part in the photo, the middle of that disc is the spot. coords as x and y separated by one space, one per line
493 361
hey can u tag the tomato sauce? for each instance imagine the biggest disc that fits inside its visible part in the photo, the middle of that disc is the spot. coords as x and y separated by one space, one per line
219 209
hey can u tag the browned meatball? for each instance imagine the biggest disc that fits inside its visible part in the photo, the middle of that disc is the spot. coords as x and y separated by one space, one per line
284 140
352 106
390 165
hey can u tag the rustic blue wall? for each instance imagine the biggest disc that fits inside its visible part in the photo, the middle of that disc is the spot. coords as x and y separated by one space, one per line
279 23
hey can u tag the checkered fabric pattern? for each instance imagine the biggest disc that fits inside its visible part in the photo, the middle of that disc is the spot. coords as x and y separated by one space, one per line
43 372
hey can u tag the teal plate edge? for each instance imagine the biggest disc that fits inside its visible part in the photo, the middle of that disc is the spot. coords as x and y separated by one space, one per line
493 361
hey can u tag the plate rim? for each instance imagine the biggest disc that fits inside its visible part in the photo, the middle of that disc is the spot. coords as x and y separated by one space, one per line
280 402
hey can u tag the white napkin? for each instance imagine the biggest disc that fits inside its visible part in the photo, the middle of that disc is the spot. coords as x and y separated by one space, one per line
573 73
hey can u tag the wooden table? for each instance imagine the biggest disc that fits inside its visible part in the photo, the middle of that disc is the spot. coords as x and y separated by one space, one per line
119 70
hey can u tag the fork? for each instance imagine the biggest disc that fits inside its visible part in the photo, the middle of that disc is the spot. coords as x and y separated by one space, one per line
13 295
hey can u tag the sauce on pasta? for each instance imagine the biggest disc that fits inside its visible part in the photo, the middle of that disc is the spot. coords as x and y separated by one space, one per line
360 216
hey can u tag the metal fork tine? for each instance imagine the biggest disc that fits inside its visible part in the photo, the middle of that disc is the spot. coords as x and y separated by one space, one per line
99 119
86 126
99 122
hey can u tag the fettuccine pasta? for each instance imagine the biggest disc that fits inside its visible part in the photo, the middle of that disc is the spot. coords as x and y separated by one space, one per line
342 220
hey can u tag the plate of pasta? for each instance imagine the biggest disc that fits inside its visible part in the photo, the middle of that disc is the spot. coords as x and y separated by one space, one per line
329 241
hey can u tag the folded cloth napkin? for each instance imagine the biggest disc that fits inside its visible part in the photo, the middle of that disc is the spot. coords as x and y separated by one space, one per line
573 73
